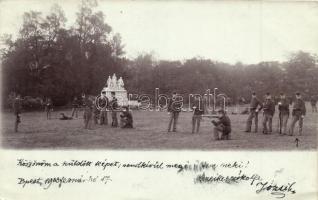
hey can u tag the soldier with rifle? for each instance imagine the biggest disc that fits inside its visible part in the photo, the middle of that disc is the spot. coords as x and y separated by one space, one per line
255 107
283 107
222 125
298 113
268 113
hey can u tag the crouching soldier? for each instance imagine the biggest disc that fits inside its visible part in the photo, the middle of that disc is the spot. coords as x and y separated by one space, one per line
298 113
268 113
223 126
126 118
17 107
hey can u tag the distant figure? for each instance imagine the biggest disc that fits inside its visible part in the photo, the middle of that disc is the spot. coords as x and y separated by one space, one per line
255 107
113 106
198 110
222 125
103 104
174 108
298 113
64 117
17 108
96 112
283 107
48 108
126 118
313 103
88 112
75 107
268 113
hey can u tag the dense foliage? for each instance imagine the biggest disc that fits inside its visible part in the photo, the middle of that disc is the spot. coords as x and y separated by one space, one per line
49 60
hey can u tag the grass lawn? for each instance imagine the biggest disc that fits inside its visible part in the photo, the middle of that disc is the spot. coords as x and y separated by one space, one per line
150 132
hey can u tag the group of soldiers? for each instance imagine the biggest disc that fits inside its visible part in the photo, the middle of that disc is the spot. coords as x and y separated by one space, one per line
268 106
95 110
222 126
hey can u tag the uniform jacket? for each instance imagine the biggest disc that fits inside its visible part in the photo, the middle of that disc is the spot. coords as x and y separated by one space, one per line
198 107
174 105
17 106
255 102
269 107
113 104
283 107
299 107
226 123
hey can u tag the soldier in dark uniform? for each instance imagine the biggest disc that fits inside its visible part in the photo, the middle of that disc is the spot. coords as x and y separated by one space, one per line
298 113
198 108
103 104
113 106
283 107
88 112
268 113
17 107
75 106
313 102
223 126
255 107
174 108
96 112
126 118
48 108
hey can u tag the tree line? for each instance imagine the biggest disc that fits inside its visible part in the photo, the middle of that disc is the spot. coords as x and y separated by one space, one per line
48 59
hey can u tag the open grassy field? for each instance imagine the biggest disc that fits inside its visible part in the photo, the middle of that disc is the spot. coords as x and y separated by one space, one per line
150 132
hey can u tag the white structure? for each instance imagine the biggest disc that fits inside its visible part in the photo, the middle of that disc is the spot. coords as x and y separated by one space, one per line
117 86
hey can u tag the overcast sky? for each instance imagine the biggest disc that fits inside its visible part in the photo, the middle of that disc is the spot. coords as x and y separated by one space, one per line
226 31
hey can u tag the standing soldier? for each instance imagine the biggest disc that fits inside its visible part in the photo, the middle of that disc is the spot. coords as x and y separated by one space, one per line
48 108
174 108
269 110
313 102
75 106
103 104
283 107
17 107
298 113
88 112
113 106
96 111
197 113
255 107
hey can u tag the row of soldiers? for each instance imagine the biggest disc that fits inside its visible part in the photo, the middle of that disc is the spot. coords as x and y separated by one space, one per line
268 107
222 126
95 109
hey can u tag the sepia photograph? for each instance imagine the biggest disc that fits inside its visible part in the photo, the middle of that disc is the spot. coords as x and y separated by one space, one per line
159 75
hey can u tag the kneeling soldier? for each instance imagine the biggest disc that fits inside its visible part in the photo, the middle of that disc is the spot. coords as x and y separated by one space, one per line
223 125
269 110
126 119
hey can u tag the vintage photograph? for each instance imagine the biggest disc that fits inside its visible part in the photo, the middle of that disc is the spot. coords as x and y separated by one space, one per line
159 75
